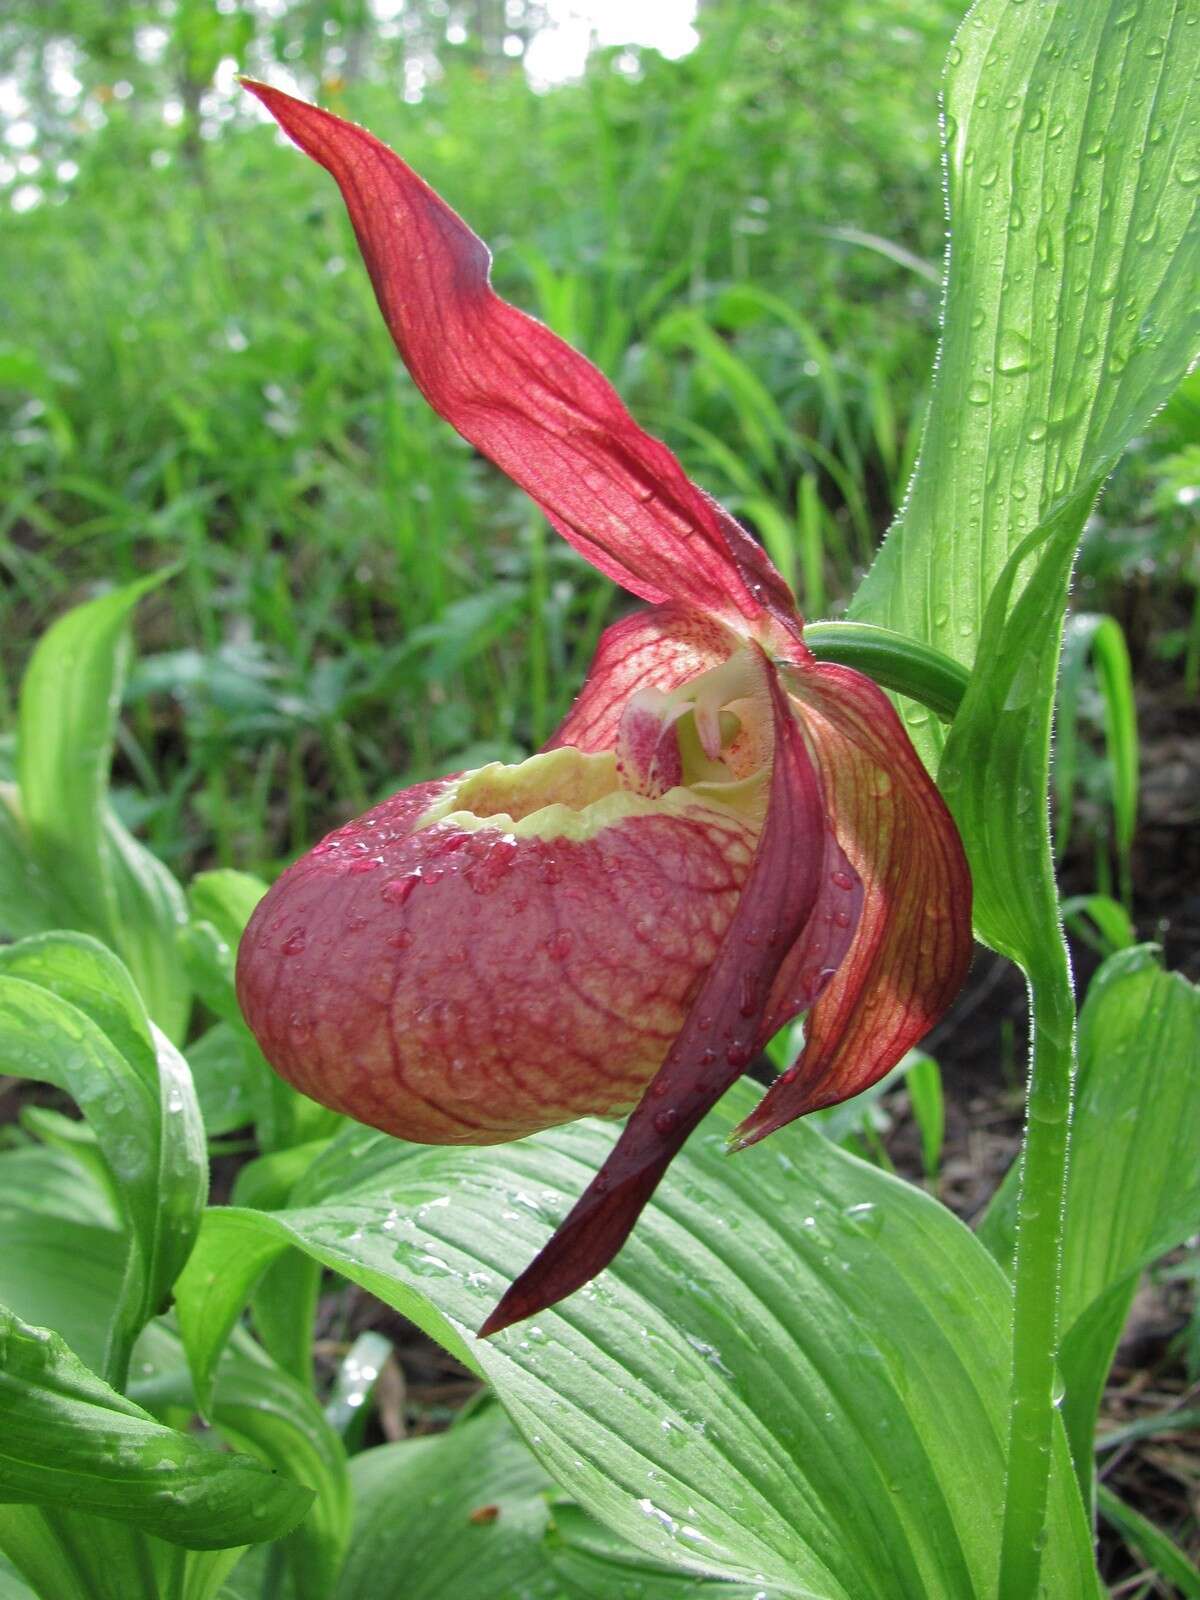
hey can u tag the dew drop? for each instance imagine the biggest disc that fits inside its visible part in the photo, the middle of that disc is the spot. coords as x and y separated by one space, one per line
737 1055
1012 352
294 943
397 890
665 1120
560 944
866 1218
400 940
841 880
364 864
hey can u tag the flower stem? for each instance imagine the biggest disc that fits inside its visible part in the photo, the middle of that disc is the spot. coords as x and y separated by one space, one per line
1041 1212
893 660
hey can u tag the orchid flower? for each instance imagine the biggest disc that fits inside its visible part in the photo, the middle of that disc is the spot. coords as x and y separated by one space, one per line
723 834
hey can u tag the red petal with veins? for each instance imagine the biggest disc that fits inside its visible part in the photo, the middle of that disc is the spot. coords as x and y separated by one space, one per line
912 940
523 397
721 1033
655 649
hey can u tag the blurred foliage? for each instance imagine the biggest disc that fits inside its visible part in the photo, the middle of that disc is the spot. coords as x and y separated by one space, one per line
191 365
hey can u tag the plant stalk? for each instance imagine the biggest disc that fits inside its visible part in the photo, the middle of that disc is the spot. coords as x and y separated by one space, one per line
894 661
1041 1216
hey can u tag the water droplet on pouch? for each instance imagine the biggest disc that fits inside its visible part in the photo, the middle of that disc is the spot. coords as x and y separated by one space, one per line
397 890
294 943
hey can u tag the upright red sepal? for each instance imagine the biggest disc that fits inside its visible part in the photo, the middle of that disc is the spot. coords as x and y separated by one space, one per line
542 412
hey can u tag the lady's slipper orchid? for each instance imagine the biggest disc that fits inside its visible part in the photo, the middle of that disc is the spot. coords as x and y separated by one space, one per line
723 833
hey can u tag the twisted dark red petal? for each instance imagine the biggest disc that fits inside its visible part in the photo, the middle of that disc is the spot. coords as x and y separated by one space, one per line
912 939
523 397
721 1033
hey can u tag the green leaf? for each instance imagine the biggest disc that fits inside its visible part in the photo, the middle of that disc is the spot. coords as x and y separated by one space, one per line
63 1261
1135 1173
225 899
220 904
68 1555
1114 930
69 1015
1101 639
354 1384
69 1440
263 1411
99 879
413 1505
996 766
226 1076
465 1515
1156 1547
924 1085
593 1563
1134 1187
1070 311
150 913
796 1367
70 696
27 901
12 1587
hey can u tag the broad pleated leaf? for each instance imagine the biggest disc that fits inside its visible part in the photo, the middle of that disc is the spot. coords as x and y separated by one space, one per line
227 1071
71 1441
100 879
63 1260
798 1367
468 1515
1099 638
12 1586
69 1015
1070 311
1134 1187
68 1555
261 1410
462 1514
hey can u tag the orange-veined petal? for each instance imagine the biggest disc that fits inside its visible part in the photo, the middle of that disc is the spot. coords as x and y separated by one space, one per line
912 940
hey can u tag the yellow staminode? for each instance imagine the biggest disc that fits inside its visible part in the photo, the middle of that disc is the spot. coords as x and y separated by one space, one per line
567 794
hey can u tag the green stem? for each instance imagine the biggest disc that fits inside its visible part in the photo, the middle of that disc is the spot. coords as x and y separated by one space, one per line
898 663
1041 1214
